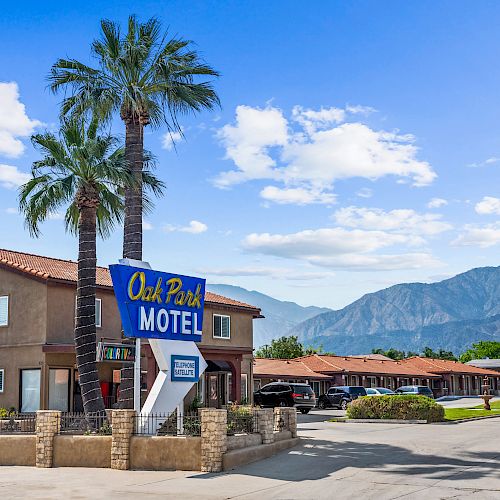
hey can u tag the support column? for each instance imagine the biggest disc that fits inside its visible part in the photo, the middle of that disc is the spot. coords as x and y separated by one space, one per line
236 379
265 420
123 427
47 426
213 438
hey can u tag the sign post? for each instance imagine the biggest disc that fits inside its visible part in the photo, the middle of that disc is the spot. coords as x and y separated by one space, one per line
168 310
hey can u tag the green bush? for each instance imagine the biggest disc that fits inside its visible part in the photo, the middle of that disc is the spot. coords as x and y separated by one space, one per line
396 407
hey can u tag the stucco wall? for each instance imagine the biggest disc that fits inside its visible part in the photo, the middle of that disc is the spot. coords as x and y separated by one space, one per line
17 450
243 441
27 309
241 328
61 314
82 451
12 360
165 453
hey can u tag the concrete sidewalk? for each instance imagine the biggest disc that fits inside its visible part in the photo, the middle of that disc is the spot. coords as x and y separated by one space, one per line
368 461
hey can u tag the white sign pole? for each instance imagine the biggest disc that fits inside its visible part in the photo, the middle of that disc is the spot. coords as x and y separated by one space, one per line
137 376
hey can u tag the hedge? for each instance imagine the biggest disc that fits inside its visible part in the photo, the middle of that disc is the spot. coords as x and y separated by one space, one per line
396 407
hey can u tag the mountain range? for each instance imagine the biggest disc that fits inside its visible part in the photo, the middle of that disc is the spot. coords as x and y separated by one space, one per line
451 314
280 316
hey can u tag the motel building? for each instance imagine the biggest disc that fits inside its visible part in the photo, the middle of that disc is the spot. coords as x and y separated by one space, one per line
374 370
37 354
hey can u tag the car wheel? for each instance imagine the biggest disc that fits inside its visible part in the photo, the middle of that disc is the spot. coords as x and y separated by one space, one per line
305 411
282 403
322 405
343 404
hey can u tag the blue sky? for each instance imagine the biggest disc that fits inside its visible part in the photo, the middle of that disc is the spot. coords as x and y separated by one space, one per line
358 144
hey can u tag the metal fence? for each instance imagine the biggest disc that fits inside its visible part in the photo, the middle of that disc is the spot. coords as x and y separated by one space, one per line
241 422
79 423
18 423
164 424
281 421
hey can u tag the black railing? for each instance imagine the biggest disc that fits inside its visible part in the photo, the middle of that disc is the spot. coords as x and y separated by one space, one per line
79 423
164 424
18 423
241 421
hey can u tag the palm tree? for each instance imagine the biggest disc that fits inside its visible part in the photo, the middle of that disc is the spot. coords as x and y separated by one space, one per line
149 79
87 173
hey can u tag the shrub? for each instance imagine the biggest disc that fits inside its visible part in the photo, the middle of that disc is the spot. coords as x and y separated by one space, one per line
396 407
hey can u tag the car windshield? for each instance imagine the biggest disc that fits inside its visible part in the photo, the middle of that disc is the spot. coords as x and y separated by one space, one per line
302 389
383 390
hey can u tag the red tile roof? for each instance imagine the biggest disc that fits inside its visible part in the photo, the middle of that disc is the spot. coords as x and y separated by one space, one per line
441 366
67 270
284 368
347 364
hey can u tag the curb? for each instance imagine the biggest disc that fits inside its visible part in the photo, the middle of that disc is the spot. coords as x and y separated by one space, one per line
379 421
462 420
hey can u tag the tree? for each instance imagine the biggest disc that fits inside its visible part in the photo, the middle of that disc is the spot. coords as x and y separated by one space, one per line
441 354
390 353
86 173
282 348
482 350
149 80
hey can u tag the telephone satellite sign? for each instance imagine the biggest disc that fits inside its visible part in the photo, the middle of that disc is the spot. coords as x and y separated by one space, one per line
158 305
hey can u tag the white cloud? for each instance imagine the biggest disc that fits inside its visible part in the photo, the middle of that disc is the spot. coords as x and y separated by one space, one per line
55 216
264 144
296 196
365 193
194 227
12 211
271 272
11 177
485 163
489 205
14 122
146 225
481 236
405 221
437 203
169 139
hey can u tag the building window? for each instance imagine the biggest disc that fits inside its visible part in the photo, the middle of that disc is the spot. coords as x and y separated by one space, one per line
98 312
244 388
59 389
222 326
30 390
4 310
2 378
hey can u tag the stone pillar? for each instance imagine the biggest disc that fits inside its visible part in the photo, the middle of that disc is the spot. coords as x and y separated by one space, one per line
265 422
47 426
292 421
213 438
123 427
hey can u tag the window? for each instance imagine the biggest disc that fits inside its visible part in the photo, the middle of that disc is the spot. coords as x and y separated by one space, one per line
244 388
2 377
98 310
59 389
30 390
4 310
222 326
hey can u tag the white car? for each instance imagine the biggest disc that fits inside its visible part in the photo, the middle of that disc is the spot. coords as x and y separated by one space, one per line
379 391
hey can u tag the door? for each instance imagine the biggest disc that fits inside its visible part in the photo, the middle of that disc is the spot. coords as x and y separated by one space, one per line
30 390
59 389
213 398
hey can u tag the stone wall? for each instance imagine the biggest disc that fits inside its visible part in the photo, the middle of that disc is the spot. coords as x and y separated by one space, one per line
123 427
213 438
47 426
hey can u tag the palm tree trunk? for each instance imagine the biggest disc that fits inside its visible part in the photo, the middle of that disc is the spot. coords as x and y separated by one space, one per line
85 329
132 234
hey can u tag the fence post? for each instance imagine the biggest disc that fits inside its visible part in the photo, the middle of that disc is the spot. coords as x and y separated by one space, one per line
213 438
47 426
265 420
292 421
122 429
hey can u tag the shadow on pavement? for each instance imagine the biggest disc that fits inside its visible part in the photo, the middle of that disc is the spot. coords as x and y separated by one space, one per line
316 459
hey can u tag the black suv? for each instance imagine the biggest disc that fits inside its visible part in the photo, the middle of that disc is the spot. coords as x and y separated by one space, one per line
415 390
340 397
284 394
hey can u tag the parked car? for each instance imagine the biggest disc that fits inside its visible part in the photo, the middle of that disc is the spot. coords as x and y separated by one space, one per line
379 391
415 390
340 397
301 396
